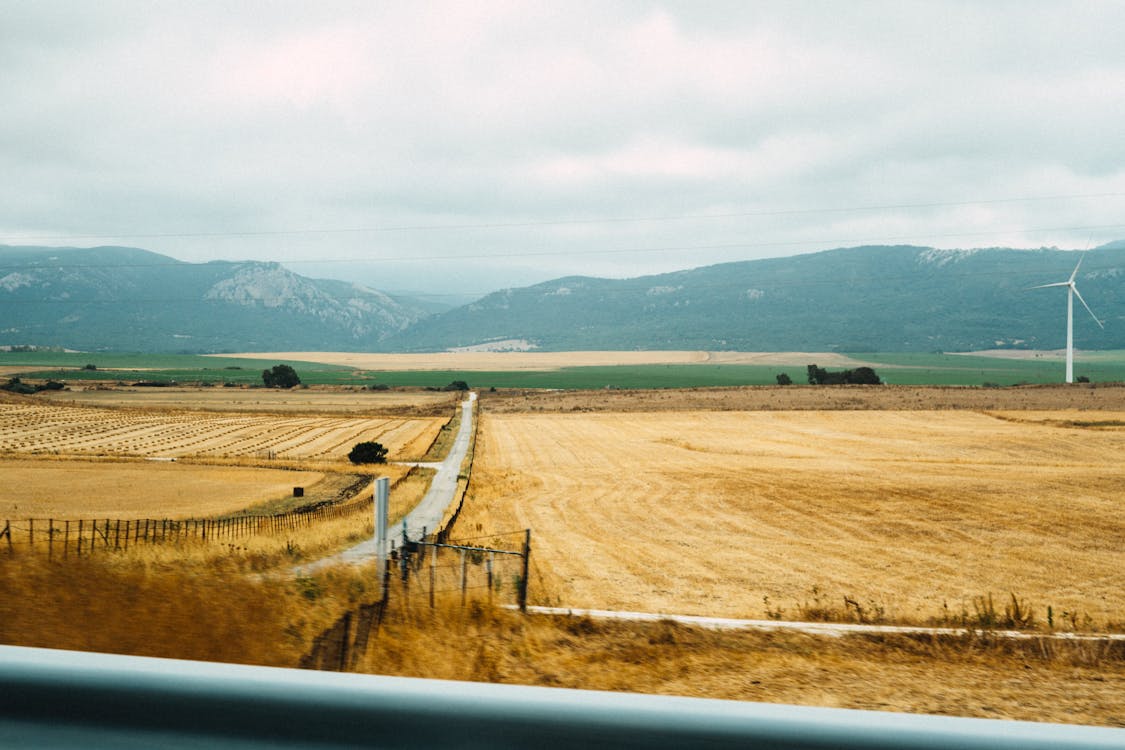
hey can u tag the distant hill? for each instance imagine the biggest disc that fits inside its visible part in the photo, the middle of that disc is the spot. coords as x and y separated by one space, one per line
127 299
878 298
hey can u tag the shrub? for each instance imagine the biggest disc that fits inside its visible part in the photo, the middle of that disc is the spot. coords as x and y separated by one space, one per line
784 379
368 452
280 376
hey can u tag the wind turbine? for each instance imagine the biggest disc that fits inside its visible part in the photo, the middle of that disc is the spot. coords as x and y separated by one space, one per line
1072 292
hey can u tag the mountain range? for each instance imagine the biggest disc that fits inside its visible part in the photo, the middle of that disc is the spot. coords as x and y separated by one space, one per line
874 298
126 299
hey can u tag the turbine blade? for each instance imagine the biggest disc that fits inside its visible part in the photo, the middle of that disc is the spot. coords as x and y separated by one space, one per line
1095 317
1046 286
1075 271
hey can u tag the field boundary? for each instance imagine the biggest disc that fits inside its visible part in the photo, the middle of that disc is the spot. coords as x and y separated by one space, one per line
61 537
832 629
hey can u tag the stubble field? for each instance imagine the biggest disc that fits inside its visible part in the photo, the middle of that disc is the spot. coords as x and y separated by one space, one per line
305 400
912 515
91 489
61 460
74 430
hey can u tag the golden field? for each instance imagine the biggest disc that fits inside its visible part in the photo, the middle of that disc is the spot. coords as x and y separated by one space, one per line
534 360
312 400
910 514
697 501
92 489
47 428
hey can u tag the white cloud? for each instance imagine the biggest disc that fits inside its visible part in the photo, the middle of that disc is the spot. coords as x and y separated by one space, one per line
130 118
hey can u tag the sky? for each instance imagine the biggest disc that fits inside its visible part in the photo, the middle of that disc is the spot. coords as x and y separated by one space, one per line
457 148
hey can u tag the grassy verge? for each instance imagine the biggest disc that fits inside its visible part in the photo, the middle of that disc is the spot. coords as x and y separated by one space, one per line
971 676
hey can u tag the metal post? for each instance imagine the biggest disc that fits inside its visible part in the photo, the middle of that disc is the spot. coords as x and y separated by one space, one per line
382 493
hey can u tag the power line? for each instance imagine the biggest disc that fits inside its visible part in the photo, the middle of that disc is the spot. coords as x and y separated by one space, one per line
561 222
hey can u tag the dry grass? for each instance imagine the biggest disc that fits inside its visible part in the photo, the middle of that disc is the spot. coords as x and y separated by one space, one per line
91 489
53 428
912 515
315 399
182 608
508 361
1071 682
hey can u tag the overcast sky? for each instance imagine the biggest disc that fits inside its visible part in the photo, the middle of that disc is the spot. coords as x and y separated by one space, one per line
467 146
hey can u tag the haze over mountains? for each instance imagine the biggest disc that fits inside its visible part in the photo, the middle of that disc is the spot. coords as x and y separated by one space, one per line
878 298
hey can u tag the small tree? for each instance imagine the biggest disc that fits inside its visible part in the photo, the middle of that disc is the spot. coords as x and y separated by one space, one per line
784 379
368 453
457 385
862 376
280 376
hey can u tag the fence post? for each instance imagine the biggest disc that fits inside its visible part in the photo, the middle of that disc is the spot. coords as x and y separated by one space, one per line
117 534
523 577
488 568
66 540
403 563
50 538
80 522
433 573
31 534
382 493
463 583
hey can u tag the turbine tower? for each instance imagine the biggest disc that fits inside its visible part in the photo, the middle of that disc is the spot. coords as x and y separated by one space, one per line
1071 293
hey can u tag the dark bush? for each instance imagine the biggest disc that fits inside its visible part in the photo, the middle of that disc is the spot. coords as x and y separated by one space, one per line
280 376
368 453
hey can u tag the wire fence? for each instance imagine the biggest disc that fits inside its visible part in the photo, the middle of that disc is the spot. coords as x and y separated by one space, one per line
86 536
429 571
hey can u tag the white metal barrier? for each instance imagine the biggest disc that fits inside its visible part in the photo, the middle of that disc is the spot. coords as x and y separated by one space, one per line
66 699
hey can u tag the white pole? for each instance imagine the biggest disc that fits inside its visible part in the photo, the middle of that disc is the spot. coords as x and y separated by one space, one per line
1070 334
382 494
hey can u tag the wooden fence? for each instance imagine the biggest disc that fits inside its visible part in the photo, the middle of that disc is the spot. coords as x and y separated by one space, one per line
64 537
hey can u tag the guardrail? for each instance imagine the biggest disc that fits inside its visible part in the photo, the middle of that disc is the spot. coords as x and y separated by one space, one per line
61 699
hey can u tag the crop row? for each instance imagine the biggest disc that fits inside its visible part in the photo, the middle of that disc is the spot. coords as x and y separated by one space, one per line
39 429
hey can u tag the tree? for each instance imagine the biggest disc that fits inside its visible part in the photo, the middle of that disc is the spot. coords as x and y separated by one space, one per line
457 385
368 452
784 379
858 376
862 376
280 376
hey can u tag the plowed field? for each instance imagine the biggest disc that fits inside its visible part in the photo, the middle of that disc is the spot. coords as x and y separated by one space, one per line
910 514
46 428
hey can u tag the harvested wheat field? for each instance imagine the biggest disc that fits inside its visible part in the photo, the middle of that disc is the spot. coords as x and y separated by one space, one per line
33 427
304 400
912 515
835 398
94 489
